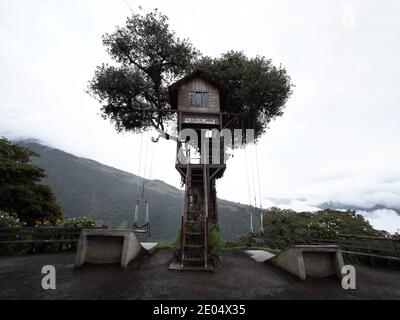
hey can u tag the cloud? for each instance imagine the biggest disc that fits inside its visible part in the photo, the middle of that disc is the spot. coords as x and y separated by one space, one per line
383 219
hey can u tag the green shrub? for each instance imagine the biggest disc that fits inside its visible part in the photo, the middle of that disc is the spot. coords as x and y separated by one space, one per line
215 243
176 243
8 220
79 222
285 227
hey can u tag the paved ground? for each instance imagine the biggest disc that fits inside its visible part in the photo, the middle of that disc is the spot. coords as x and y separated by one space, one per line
237 277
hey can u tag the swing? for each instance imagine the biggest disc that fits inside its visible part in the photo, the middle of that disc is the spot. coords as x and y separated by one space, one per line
145 228
253 209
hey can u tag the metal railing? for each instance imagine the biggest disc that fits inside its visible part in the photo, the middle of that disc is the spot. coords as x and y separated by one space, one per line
40 235
383 248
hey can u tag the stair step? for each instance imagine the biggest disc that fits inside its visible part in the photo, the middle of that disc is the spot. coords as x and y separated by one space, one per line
194 245
195 218
193 259
192 190
194 233
195 211
192 222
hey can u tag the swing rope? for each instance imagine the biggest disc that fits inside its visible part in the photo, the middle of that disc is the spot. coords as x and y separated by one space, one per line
136 216
259 192
248 184
252 176
255 173
143 195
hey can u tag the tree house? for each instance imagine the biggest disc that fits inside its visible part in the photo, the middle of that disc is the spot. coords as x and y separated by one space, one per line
197 101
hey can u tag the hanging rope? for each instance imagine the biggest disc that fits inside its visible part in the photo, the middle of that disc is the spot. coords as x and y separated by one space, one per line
147 217
143 195
248 185
140 167
252 176
254 208
151 168
259 192
258 177
136 216
129 7
151 161
145 161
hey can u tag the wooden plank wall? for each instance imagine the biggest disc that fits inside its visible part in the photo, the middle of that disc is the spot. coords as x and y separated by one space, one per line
198 84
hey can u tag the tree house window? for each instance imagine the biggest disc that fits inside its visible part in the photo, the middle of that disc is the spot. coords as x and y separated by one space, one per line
198 98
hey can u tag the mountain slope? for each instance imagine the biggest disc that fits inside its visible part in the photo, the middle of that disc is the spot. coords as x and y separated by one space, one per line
88 188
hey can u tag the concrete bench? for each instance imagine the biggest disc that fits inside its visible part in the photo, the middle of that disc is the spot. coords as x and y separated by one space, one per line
107 246
316 261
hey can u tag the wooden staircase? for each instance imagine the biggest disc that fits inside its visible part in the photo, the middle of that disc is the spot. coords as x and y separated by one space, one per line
194 236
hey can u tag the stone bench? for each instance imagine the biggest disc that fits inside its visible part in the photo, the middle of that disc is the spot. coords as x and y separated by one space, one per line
107 246
315 261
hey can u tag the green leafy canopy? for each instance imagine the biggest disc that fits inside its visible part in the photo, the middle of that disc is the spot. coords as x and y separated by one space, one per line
21 193
149 57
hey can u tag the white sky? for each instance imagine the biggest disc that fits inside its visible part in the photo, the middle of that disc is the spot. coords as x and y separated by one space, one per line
337 141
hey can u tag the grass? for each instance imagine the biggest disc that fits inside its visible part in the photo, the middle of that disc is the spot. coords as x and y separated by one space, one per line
165 245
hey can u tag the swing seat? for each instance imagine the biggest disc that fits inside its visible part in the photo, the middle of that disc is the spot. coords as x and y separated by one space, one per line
145 228
141 229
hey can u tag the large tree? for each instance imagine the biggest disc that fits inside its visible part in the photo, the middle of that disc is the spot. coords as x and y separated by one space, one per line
21 192
252 87
148 57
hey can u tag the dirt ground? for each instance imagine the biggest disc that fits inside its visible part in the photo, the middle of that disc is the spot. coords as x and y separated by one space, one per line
237 277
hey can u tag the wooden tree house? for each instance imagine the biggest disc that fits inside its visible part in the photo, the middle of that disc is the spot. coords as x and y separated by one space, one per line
197 102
